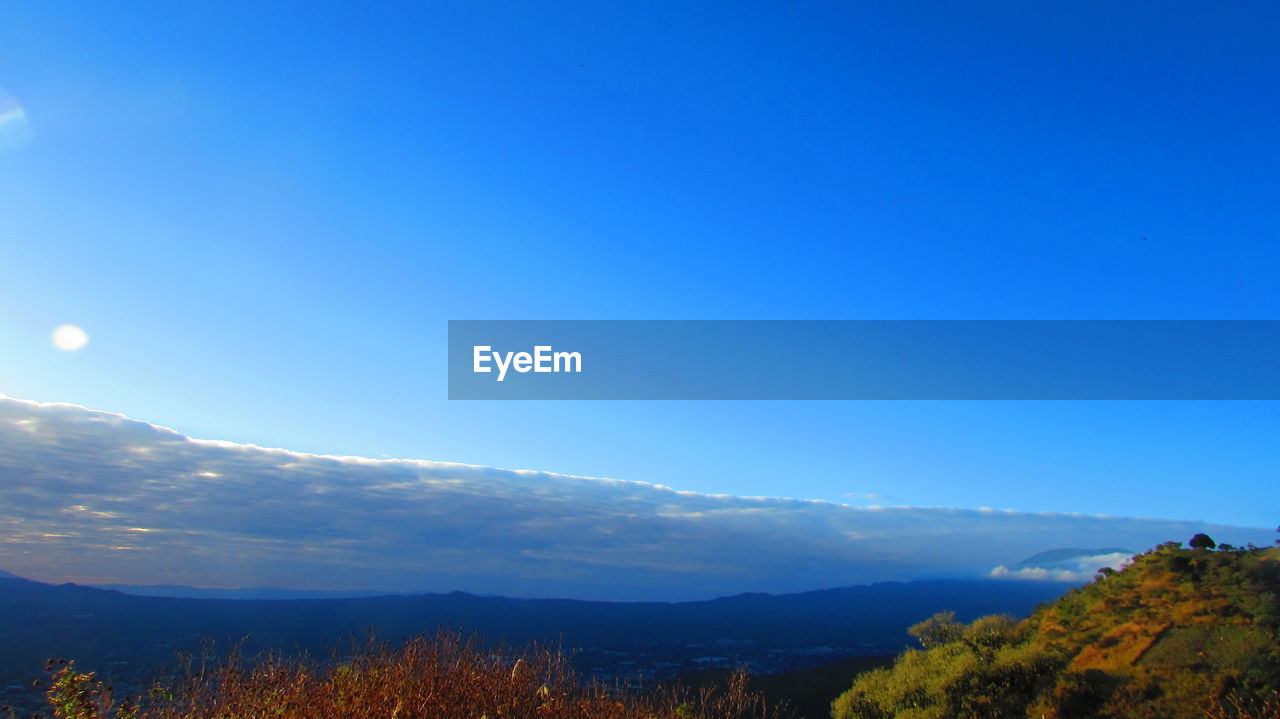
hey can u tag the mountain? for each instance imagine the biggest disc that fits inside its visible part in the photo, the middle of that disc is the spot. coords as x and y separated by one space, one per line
1056 556
1177 633
849 616
126 637
182 591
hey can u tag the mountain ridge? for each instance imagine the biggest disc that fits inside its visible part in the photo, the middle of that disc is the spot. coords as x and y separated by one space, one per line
126 635
1052 556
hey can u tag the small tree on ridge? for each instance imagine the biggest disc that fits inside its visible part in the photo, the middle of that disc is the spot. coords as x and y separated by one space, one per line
1202 541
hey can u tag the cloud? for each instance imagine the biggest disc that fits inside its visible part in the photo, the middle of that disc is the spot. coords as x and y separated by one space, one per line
866 497
1075 569
96 497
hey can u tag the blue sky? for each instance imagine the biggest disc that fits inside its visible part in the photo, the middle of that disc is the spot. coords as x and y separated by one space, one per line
264 217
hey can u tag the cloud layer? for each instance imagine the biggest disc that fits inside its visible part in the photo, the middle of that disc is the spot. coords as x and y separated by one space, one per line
1076 569
96 497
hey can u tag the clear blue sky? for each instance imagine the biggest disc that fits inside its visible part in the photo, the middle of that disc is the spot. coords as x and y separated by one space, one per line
263 217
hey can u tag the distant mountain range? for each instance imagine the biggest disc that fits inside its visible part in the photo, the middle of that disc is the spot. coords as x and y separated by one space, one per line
849 614
1056 556
126 637
182 591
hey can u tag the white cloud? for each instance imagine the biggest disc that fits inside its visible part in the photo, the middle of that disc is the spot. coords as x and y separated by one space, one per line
78 487
866 497
1075 569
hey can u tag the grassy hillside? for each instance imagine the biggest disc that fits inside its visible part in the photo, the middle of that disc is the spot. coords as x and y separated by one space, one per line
1177 633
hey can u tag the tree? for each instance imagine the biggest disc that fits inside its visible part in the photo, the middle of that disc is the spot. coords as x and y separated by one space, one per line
941 628
1202 541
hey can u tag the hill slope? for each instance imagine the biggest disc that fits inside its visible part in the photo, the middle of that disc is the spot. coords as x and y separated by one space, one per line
1178 633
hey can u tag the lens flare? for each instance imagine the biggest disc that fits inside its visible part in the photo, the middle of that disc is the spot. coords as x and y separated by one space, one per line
15 126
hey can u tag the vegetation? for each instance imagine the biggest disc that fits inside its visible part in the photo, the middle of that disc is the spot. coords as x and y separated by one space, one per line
445 677
806 692
1177 633
1202 541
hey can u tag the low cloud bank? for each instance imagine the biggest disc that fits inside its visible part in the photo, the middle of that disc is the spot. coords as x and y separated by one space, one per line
1074 570
96 497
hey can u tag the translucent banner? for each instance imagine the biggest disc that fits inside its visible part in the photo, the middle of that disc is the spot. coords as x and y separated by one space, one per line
863 359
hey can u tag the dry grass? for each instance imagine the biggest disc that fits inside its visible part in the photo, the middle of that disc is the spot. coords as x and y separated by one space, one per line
442 677
1235 707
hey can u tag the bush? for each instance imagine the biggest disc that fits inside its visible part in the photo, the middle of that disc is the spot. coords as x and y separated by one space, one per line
444 677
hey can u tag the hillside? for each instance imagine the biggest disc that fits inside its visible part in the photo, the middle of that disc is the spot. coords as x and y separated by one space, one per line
1177 633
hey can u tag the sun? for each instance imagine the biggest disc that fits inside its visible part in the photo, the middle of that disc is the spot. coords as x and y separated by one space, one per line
69 338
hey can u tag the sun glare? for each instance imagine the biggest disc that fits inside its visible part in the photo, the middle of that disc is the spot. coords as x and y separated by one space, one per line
15 127
69 338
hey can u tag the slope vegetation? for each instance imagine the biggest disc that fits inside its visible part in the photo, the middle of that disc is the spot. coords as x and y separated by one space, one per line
1177 633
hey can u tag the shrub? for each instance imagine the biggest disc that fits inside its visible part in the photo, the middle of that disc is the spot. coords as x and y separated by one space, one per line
443 677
